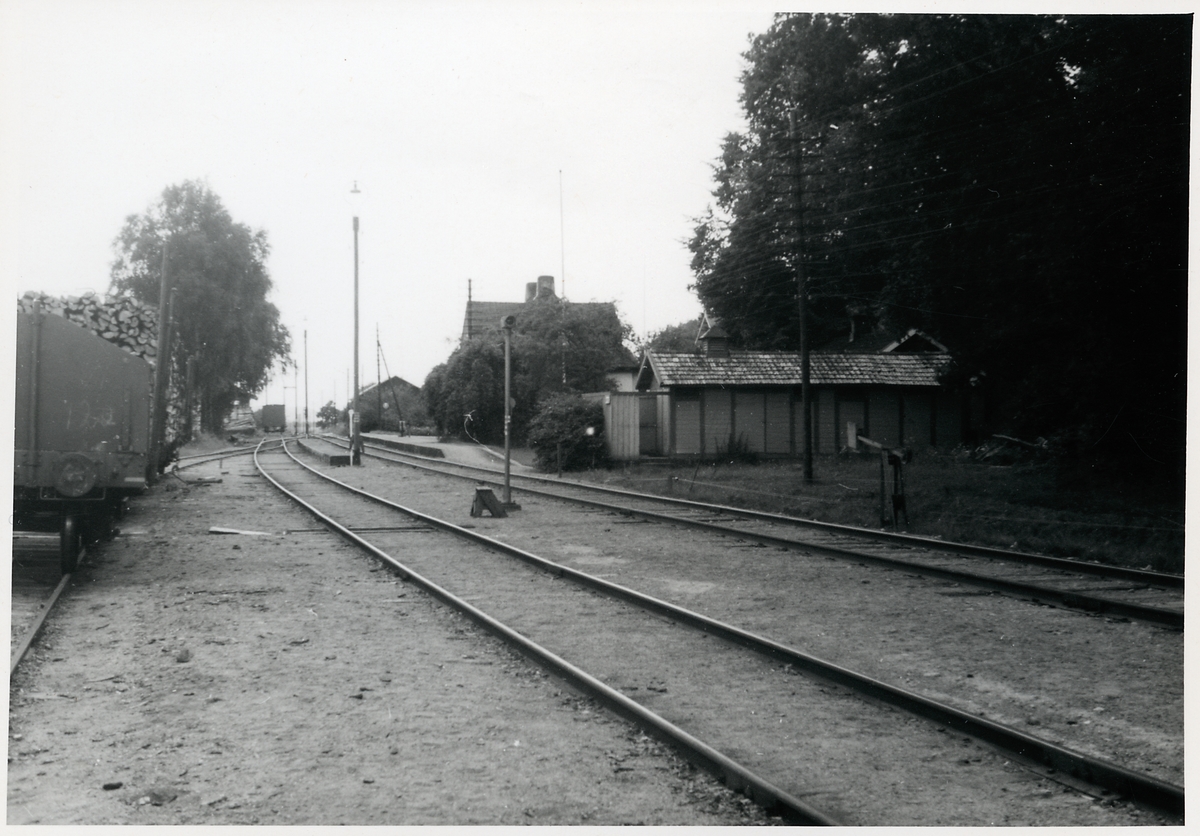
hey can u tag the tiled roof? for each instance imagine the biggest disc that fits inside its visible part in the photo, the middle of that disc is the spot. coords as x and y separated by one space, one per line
483 316
778 368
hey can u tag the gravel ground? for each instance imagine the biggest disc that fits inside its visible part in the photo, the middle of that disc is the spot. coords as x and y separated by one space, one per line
234 679
1107 686
194 678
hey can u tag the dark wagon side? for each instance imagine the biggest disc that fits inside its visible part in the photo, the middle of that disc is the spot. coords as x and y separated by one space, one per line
274 419
82 429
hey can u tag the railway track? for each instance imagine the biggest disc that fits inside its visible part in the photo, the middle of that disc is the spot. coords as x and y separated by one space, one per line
37 585
769 706
38 582
1121 592
184 462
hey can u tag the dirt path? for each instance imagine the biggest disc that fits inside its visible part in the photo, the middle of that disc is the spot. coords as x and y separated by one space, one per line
194 678
282 678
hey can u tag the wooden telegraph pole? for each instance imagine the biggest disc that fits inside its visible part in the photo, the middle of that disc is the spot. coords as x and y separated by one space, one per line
161 369
802 304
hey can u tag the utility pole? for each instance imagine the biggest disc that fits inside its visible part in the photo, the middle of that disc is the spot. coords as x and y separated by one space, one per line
378 379
189 408
562 300
161 370
355 434
305 381
506 323
802 303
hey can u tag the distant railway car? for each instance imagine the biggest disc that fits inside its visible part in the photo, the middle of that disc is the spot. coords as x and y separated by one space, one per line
82 430
274 419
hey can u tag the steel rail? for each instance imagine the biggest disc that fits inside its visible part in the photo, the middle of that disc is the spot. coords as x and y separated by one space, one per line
1163 579
1075 600
204 458
1096 771
36 628
733 774
228 451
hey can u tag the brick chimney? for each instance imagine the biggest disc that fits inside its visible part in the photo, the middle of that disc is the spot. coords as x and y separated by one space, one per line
545 287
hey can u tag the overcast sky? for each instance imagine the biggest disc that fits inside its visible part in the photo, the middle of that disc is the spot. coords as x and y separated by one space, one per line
454 118
492 141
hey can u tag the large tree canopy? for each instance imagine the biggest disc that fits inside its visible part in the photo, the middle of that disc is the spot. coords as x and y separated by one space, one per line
678 337
550 341
1017 185
218 270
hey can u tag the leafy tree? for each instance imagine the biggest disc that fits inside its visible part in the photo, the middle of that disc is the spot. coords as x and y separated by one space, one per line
568 432
465 395
556 340
328 415
681 337
221 313
1017 185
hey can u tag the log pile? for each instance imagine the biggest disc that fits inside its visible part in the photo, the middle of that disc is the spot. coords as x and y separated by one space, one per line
120 320
128 324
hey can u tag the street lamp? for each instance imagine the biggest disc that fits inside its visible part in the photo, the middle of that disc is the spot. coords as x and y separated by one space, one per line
355 434
305 382
507 323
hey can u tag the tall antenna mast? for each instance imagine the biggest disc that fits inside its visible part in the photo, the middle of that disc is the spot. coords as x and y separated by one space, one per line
562 299
562 235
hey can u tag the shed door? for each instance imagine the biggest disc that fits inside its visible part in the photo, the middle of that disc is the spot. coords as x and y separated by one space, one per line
687 424
648 425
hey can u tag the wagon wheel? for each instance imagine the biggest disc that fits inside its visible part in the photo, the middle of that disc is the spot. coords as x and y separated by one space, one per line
68 545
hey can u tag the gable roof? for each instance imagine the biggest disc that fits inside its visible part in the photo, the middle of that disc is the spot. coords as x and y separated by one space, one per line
782 368
482 316
710 327
915 340
395 382
874 341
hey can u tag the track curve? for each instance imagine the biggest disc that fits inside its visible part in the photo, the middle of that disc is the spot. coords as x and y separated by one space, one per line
1152 597
1152 791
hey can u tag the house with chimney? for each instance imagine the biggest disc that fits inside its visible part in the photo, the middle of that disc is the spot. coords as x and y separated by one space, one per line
484 317
704 403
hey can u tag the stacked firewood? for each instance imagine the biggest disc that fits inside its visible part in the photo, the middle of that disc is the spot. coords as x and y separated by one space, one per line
127 324
120 320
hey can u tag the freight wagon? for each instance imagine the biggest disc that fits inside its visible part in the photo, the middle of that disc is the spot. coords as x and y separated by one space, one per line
274 419
82 430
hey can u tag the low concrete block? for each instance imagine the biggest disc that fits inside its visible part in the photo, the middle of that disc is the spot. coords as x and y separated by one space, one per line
324 453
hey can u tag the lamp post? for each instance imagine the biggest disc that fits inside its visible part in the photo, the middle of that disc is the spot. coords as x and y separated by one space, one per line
355 434
296 399
306 382
507 322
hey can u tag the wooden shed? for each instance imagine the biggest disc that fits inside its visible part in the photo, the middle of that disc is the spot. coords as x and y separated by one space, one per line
699 404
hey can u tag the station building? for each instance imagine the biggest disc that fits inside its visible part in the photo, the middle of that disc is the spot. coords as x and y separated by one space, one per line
702 404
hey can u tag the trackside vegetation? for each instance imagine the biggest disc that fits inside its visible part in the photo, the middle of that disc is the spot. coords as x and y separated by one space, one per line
1034 506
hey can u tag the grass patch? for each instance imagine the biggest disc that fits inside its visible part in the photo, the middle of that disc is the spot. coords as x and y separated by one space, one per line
1029 507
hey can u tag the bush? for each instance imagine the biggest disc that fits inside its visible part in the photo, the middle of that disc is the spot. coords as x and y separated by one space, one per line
565 420
737 449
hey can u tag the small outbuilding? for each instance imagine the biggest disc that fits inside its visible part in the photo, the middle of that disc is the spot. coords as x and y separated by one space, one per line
706 403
